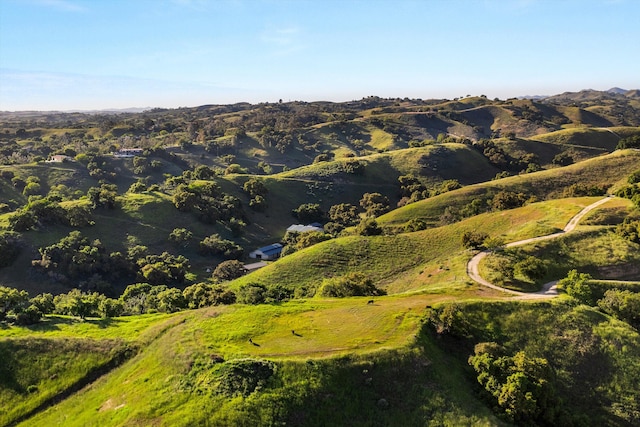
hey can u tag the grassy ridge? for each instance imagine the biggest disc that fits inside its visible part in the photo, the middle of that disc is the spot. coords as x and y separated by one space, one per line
417 260
435 163
608 170
182 361
35 371
406 377
604 139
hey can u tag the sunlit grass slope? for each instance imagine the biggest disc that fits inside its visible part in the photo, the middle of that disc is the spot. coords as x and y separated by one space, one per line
431 260
607 171
345 354
46 362
352 363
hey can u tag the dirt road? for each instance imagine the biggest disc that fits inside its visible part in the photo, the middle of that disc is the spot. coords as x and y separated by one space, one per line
548 290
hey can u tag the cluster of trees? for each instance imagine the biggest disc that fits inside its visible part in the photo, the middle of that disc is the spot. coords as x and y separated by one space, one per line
76 259
206 200
349 285
17 307
631 192
281 140
502 200
621 303
343 215
498 157
217 246
520 385
10 246
412 189
629 229
42 211
583 190
629 142
257 192
505 199
529 360
294 241
258 293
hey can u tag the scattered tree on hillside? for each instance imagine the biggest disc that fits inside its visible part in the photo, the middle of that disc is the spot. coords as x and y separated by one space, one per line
582 190
521 385
349 285
629 229
415 224
562 159
257 293
180 236
10 245
311 238
374 204
576 285
344 214
308 213
229 270
629 142
78 303
22 220
531 267
103 196
11 299
473 239
634 178
369 227
216 245
508 200
205 294
623 304
255 187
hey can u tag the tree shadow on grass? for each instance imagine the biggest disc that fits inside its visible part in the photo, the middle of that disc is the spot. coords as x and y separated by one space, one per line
54 323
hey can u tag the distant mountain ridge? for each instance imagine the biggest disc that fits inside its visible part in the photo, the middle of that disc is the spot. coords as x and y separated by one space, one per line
592 95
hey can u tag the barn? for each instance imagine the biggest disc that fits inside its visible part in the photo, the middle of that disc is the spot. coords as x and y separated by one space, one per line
267 252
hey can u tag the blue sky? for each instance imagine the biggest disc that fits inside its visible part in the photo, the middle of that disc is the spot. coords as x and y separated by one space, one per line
94 54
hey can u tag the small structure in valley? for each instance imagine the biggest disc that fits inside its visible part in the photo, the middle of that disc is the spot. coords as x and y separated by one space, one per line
299 228
267 252
59 158
128 152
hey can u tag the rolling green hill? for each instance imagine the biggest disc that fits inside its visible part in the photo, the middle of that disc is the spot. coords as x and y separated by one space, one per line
367 364
607 171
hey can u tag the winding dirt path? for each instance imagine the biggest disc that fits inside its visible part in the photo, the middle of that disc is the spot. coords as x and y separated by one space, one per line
548 290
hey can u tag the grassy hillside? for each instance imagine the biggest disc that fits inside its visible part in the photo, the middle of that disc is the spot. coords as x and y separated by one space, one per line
609 171
354 364
597 251
432 260
327 183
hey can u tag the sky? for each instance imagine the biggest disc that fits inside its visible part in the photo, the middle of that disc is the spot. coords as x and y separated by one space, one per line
109 54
